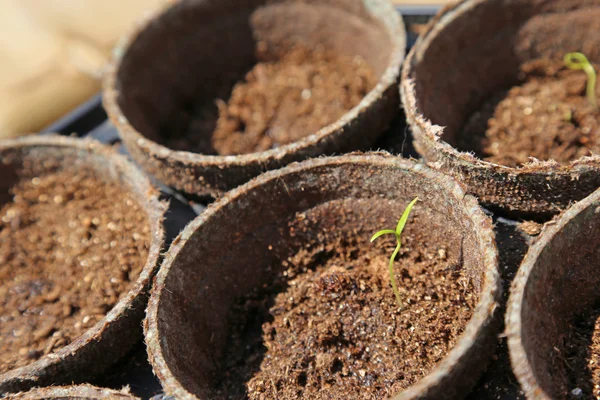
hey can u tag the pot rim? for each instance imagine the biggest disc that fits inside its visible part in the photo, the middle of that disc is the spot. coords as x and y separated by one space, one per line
518 355
432 134
390 77
477 326
75 391
154 209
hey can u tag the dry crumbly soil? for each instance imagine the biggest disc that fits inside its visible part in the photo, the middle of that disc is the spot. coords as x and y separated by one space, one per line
547 116
330 327
70 246
277 103
582 357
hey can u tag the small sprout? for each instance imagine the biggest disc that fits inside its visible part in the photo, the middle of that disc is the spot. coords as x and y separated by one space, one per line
580 61
568 116
397 232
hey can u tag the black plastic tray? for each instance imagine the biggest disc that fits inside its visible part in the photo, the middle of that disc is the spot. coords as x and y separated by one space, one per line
89 120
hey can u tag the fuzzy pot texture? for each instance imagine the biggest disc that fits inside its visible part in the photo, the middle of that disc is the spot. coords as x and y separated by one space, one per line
78 392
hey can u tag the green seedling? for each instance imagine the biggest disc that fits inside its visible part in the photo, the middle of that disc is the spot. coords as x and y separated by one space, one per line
397 233
580 61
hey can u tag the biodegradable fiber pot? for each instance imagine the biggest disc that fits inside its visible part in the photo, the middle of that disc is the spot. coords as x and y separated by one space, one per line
178 57
241 242
485 43
110 338
557 280
78 392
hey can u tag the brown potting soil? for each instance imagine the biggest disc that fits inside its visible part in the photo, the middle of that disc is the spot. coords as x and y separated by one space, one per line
330 327
278 102
70 245
581 358
547 116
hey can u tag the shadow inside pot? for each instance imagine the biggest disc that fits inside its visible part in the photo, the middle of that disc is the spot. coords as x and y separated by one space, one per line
188 76
397 139
191 125
472 137
245 320
578 352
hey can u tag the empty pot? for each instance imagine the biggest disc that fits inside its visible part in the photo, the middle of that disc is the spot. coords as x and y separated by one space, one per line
110 338
557 282
184 54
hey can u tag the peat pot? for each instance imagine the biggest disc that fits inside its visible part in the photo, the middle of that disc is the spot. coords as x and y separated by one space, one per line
275 291
553 308
491 102
308 78
80 241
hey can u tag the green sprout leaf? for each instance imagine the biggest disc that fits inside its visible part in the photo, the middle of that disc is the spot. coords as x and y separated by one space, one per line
383 232
397 233
579 61
404 218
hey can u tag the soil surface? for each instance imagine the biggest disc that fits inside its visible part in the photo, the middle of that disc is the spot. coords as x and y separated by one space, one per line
582 358
330 327
547 116
70 245
277 103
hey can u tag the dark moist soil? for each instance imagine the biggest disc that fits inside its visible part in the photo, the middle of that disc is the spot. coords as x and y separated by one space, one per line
547 116
277 103
331 327
70 245
582 357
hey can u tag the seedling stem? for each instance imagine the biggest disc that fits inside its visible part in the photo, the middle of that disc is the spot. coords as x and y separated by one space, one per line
579 61
397 233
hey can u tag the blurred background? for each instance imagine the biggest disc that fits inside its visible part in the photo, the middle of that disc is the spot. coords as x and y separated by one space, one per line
53 52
